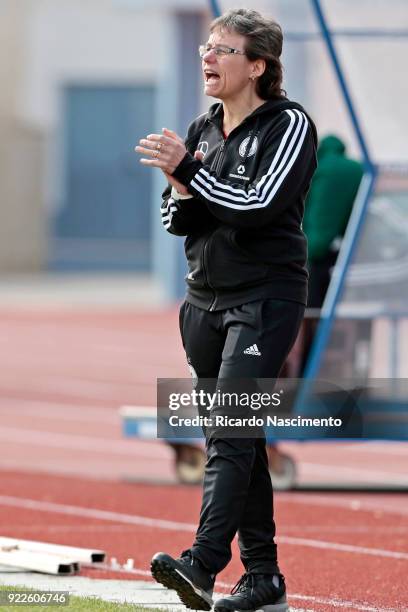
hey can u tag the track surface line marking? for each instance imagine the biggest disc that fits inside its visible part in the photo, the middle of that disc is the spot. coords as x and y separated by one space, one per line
87 443
349 504
374 475
337 603
177 526
390 448
61 411
104 515
363 550
284 529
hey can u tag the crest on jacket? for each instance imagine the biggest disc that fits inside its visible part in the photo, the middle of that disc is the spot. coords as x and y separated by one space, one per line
244 144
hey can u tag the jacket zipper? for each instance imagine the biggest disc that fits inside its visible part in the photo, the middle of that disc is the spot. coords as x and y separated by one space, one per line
216 166
205 249
218 159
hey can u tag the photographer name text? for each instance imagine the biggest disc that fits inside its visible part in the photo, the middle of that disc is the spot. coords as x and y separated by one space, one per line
253 421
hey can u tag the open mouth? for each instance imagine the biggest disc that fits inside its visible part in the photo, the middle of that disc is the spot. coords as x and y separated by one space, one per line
211 77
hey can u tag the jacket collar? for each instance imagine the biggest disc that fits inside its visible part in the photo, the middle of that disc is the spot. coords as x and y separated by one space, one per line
269 108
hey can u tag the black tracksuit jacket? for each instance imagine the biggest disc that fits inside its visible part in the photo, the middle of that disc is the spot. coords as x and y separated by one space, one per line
243 226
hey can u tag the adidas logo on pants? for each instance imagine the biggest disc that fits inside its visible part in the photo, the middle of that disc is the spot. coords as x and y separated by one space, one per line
252 350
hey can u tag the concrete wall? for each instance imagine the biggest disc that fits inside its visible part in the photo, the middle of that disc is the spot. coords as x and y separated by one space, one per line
23 225
45 44
22 222
86 41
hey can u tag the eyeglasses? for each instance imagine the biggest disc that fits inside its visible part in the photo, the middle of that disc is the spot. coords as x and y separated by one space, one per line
219 50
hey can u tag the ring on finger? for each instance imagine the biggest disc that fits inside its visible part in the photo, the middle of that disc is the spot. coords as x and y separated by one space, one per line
156 154
159 146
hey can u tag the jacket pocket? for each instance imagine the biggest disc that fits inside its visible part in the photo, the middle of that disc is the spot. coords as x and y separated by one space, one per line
181 321
229 265
193 247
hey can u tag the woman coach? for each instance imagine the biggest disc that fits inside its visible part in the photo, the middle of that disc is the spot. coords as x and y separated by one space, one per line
236 191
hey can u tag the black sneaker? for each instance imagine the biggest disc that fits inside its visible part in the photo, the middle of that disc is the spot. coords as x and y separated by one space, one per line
254 592
187 576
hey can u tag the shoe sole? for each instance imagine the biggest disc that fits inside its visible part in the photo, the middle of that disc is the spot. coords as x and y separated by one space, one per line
279 606
190 595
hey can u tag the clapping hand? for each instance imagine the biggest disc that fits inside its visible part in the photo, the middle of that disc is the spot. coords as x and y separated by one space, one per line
165 151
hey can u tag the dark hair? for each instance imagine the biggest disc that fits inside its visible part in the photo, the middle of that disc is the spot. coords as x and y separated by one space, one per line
263 41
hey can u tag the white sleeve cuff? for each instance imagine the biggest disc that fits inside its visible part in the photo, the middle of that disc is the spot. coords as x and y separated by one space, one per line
178 196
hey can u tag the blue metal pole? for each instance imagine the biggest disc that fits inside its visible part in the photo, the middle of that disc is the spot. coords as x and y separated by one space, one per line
328 39
215 8
353 229
357 34
356 220
349 243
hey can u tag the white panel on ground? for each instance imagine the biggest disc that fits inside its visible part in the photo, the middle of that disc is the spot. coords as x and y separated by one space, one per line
39 562
81 555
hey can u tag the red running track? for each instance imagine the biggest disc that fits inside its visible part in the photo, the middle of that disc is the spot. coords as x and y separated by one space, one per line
62 462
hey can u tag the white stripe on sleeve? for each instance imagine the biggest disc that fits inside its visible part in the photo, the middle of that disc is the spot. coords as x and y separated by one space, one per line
266 188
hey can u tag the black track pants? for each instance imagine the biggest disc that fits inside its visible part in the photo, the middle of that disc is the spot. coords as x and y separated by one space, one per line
237 489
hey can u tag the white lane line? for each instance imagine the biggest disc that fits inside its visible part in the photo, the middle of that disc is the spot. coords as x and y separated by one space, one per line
385 448
334 602
53 439
97 338
101 470
118 517
104 515
66 527
339 603
60 411
389 476
352 504
102 374
76 387
345 529
363 550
